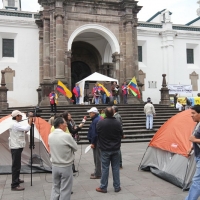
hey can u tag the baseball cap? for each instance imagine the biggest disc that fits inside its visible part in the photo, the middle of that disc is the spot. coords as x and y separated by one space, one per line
93 109
15 113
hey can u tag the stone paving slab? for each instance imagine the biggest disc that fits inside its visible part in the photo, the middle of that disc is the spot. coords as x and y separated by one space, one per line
136 185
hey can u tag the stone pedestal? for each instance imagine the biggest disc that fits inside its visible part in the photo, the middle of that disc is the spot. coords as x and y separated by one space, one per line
3 93
165 99
39 91
46 89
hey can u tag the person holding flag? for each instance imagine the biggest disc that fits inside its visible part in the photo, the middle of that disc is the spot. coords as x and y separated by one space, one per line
77 93
53 101
64 90
133 87
124 92
96 93
104 93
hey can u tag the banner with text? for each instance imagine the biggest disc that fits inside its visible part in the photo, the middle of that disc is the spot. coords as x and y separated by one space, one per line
173 89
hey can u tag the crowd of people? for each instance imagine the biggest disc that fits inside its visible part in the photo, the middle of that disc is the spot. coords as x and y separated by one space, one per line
178 105
98 95
104 134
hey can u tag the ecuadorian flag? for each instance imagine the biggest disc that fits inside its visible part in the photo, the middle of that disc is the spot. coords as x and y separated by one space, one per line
104 89
133 87
63 89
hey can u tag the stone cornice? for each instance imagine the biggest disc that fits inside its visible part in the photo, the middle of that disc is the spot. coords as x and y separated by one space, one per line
57 14
18 23
39 23
84 18
177 34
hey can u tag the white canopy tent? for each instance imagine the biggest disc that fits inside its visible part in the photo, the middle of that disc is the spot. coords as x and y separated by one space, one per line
94 77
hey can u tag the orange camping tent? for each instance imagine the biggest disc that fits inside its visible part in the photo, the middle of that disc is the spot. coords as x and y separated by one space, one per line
166 155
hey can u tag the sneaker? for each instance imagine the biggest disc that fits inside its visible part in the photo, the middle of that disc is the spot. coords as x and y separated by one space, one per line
95 177
101 190
118 189
18 188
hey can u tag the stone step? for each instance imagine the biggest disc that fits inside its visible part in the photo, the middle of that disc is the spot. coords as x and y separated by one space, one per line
134 119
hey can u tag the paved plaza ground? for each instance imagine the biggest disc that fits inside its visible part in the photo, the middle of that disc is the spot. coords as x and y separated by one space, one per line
136 185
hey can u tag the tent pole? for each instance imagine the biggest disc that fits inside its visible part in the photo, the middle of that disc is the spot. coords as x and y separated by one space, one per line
143 158
32 146
186 172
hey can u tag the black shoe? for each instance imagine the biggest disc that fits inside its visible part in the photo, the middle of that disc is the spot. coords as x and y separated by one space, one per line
118 189
75 171
18 188
21 181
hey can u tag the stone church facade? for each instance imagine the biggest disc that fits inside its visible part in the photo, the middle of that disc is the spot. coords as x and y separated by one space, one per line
77 38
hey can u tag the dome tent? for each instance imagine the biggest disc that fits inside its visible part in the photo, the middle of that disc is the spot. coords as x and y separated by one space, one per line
166 155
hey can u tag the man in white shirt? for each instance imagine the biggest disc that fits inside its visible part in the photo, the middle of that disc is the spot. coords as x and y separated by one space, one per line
62 148
179 106
16 144
149 110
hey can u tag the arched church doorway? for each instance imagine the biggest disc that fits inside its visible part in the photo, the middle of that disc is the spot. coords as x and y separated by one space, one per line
79 71
85 60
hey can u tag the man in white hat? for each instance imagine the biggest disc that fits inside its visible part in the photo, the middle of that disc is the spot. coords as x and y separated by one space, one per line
92 137
16 144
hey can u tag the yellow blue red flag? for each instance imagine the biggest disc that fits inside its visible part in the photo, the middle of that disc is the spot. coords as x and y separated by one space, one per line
104 89
133 87
63 89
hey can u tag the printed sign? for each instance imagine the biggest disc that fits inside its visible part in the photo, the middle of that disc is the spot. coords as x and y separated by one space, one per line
173 89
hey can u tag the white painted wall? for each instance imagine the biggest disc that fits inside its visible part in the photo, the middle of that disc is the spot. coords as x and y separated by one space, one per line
156 57
26 60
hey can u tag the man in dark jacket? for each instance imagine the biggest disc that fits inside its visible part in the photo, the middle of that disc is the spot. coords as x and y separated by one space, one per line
119 119
109 133
92 137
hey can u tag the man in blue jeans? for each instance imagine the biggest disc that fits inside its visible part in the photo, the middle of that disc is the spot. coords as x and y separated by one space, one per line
109 133
194 191
149 110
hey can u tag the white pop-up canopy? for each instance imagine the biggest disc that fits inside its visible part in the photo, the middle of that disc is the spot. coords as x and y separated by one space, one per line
94 77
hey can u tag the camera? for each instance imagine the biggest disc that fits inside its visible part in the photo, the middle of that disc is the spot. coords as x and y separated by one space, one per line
36 112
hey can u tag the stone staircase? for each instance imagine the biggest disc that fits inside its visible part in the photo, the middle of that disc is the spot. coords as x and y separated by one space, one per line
132 115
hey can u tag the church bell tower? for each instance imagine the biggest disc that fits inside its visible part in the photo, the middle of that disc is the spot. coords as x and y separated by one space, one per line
12 5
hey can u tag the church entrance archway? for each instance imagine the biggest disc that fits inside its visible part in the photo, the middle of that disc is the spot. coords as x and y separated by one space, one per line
79 71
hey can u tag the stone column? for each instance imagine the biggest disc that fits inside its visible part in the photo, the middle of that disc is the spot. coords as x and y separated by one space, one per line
165 99
135 48
46 52
41 54
3 93
69 56
46 84
60 67
116 60
129 51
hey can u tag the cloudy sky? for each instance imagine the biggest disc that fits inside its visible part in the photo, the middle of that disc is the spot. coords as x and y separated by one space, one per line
183 10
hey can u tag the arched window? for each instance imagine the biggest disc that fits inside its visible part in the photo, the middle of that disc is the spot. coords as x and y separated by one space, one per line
11 3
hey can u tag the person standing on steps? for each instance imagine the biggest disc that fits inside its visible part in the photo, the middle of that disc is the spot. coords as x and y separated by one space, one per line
77 93
53 101
149 110
175 99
